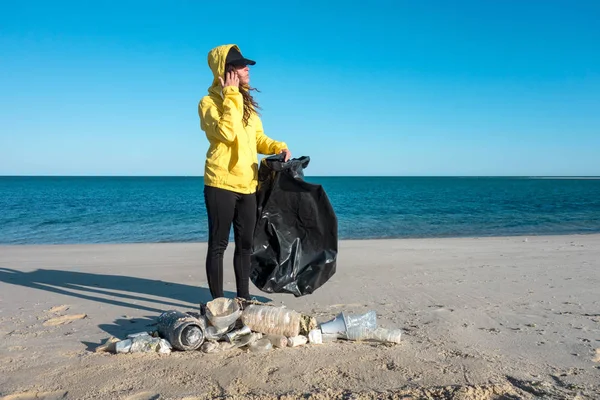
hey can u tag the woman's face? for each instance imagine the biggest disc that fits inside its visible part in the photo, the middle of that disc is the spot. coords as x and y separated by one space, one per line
244 75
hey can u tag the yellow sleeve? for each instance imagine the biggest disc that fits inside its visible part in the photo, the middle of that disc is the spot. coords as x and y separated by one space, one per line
266 145
222 126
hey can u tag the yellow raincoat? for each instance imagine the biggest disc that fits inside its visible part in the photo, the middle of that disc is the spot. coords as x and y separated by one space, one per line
232 157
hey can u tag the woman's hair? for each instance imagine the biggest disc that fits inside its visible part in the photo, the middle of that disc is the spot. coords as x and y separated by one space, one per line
250 105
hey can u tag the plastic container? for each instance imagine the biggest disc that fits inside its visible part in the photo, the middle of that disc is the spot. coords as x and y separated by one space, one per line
382 335
143 343
222 312
345 321
297 341
183 331
123 346
272 320
367 320
315 336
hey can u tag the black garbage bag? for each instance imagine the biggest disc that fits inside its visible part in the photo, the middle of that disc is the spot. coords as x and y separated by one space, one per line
295 240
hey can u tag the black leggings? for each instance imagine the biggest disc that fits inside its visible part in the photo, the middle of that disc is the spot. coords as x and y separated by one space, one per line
224 207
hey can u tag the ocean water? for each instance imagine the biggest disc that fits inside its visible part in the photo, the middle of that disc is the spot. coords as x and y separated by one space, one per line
57 210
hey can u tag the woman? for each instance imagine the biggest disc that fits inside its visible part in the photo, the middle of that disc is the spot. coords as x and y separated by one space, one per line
228 116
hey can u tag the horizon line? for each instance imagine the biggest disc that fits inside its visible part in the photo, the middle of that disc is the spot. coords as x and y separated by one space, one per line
315 176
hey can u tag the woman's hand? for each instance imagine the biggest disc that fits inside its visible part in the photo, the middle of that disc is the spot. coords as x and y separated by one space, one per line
286 154
231 79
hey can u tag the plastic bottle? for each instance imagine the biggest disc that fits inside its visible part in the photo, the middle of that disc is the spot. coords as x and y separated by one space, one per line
183 331
379 335
272 320
260 345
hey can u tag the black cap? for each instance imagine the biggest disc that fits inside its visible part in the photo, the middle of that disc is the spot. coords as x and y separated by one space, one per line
234 57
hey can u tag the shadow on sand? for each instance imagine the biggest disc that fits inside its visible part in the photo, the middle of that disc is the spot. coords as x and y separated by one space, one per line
119 290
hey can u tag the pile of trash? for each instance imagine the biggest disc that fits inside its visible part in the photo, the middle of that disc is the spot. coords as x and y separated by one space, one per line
224 324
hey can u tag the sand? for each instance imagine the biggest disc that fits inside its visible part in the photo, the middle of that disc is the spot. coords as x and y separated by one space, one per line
483 318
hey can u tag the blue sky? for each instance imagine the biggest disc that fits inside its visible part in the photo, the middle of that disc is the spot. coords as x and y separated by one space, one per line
363 88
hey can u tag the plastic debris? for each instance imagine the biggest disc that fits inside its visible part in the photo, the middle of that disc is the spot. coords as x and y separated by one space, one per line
343 321
297 341
379 335
230 337
329 337
272 320
213 334
222 312
359 327
109 345
367 320
123 346
143 343
259 327
134 335
315 336
245 340
183 331
278 341
260 345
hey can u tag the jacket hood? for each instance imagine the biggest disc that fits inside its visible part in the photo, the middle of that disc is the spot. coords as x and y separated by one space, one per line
216 62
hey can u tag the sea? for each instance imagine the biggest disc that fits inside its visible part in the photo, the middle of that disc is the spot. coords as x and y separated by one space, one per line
73 210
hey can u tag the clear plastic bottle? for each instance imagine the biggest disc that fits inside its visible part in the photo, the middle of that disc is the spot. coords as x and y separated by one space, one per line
379 335
260 346
272 320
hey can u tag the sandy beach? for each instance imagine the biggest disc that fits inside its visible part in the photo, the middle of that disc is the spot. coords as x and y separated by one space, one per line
482 318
